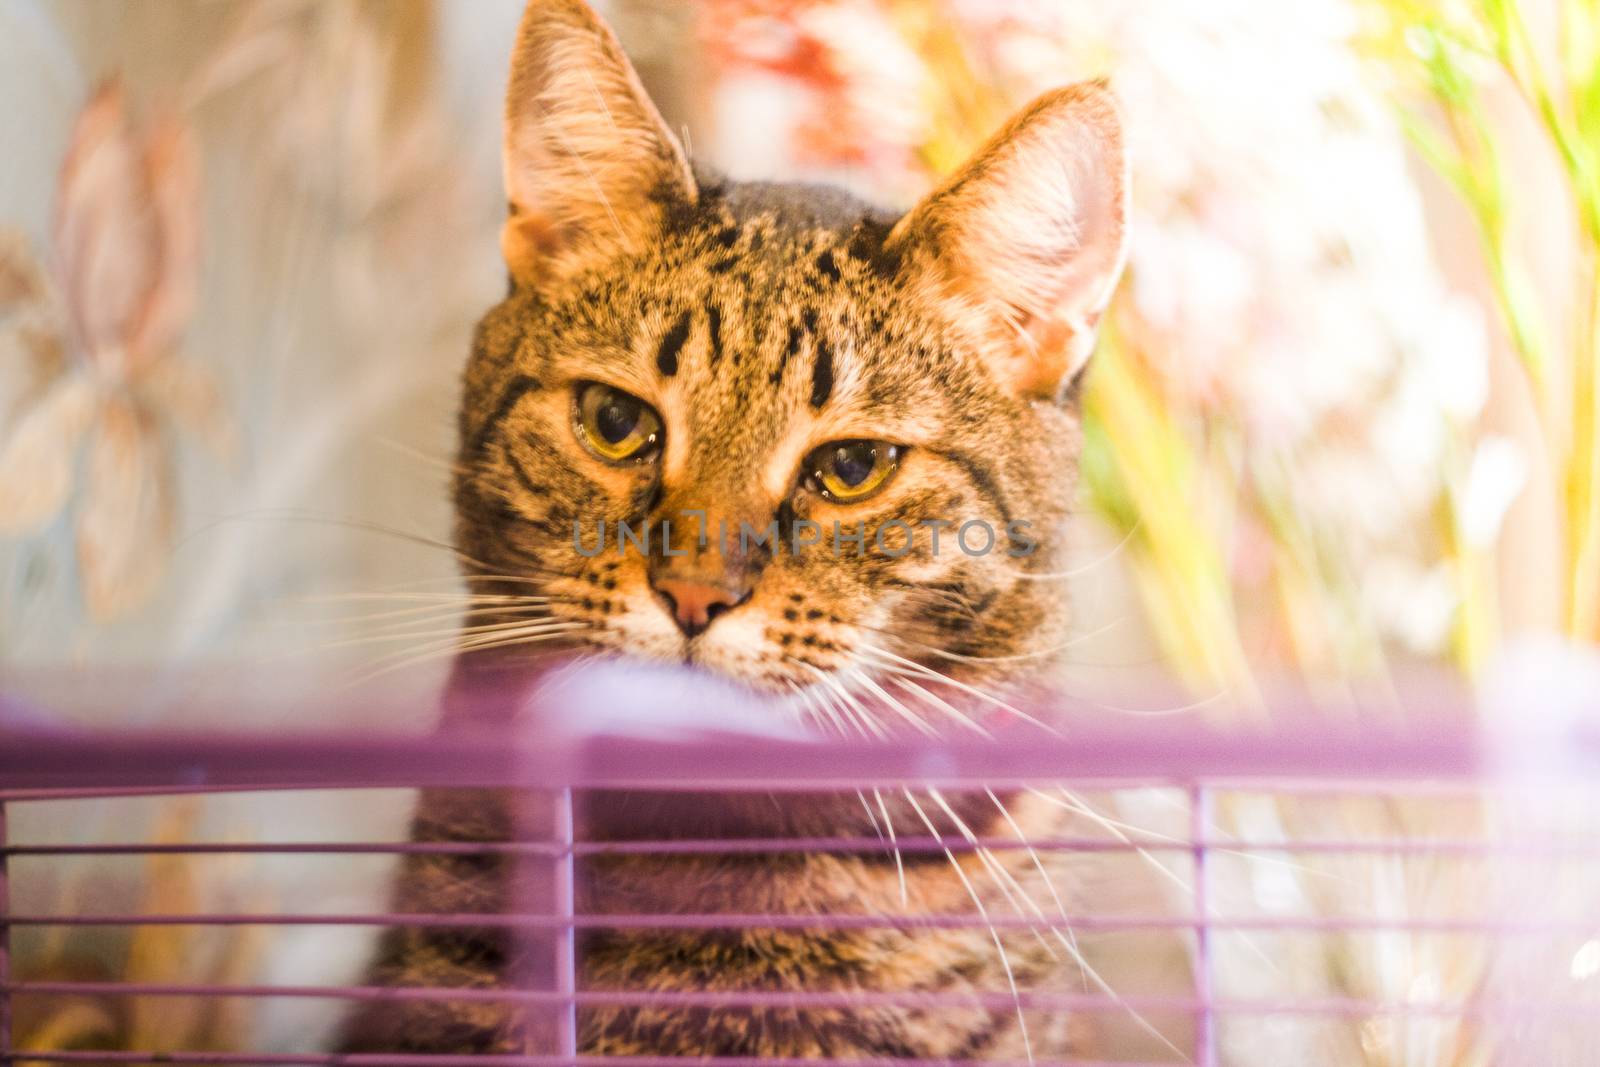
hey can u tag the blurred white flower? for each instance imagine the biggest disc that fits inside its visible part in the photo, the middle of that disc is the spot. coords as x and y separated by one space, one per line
1418 603
1586 962
1498 473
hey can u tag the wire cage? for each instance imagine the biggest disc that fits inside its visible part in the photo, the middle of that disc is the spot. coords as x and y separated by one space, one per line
1500 819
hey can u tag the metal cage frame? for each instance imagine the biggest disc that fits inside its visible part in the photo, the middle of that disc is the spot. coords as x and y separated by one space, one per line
1300 755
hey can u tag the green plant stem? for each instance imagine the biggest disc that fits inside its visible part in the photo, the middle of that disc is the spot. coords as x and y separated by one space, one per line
1522 64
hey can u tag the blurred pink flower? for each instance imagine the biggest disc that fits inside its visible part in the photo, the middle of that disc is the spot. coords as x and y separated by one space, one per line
119 293
862 103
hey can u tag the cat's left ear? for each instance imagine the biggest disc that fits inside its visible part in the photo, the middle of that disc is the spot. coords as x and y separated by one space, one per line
1028 240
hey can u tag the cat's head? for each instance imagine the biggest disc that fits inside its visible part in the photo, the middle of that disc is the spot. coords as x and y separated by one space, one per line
781 360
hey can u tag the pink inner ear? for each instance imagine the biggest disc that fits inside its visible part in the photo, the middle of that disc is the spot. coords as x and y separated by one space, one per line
585 149
1046 222
528 239
1045 368
1033 230
1090 272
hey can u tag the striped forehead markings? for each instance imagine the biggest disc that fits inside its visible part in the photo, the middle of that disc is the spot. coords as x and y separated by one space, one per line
826 265
672 342
791 347
671 345
714 332
821 371
822 364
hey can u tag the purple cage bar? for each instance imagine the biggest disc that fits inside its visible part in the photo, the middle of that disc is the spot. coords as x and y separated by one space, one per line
1301 755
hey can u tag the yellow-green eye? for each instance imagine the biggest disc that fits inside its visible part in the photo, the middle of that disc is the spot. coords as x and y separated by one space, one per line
848 471
615 426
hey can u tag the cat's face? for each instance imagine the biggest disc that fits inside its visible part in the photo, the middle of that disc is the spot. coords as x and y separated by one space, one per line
835 437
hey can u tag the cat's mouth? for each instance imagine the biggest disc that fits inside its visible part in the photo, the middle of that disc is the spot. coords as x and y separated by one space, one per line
844 674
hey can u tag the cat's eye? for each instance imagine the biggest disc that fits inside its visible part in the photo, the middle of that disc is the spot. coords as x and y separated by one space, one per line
616 426
848 471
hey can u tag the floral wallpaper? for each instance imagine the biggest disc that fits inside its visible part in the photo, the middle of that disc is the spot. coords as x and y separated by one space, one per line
225 310
101 333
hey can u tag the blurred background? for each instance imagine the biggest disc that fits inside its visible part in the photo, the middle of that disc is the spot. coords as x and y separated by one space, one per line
1342 421
1343 424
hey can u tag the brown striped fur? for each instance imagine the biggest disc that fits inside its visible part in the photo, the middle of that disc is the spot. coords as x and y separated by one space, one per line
761 321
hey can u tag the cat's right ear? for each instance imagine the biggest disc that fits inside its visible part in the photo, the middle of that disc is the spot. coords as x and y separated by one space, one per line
1027 241
590 167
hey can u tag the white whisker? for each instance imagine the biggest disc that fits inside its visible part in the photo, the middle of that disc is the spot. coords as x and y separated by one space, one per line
1037 654
899 863
818 708
849 705
1070 943
962 719
977 902
900 709
1003 879
544 630
900 665
1111 554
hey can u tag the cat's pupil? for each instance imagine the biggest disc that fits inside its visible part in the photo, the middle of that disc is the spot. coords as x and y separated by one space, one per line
616 419
853 463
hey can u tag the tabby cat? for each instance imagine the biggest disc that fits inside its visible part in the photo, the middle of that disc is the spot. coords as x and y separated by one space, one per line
774 356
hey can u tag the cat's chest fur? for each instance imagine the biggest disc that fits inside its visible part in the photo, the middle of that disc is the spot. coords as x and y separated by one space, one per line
891 958
874 959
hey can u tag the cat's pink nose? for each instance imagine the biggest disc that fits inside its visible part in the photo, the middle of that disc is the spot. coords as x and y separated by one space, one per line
694 605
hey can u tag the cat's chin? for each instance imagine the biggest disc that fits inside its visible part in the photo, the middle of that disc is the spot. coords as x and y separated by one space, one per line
599 691
629 697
